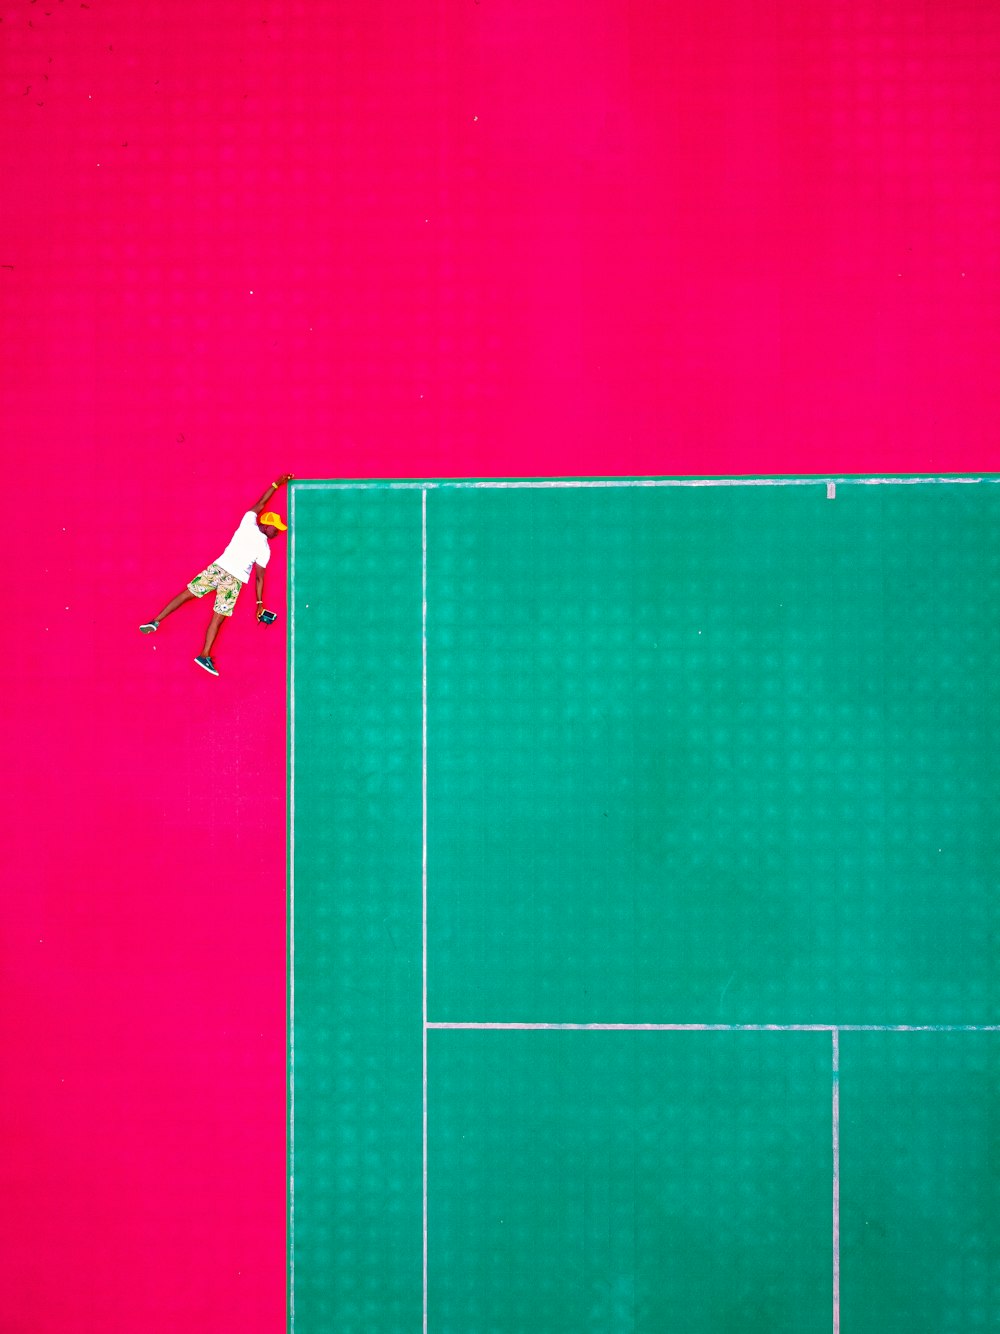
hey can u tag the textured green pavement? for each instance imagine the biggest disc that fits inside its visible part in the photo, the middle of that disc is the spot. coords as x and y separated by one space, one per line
714 755
703 756
356 1040
920 1183
623 1181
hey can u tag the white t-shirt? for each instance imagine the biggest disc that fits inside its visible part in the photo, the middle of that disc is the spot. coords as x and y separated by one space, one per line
247 548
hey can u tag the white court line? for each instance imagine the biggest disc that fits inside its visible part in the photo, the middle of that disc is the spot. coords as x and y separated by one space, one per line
423 635
291 923
557 483
836 1182
723 1028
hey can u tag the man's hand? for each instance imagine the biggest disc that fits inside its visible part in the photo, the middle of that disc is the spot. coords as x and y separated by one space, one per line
285 477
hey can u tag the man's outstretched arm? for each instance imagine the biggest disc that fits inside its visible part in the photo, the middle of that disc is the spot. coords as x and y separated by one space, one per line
285 477
260 590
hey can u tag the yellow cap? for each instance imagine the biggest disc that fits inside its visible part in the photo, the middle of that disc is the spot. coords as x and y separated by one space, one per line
274 520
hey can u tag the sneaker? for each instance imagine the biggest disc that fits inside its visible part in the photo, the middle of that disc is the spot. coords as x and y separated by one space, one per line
148 627
208 665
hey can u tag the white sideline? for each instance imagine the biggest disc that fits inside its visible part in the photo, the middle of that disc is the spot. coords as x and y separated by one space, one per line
423 636
291 918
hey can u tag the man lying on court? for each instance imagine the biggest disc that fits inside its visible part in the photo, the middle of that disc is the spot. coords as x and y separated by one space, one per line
227 575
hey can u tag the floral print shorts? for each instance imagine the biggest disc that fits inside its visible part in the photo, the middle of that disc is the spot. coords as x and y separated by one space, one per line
227 588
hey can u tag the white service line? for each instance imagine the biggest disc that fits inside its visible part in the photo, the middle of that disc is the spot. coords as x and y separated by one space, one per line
725 1028
836 1181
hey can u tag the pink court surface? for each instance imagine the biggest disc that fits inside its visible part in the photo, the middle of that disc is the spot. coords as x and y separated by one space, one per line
367 240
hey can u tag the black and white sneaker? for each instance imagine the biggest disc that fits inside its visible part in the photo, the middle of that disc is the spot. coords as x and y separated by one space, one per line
149 627
208 665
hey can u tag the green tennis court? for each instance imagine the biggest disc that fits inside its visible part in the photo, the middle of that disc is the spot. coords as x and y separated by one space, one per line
643 906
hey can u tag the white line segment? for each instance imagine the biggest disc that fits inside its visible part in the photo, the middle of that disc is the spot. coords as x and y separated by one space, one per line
836 1181
291 919
557 483
728 1028
423 637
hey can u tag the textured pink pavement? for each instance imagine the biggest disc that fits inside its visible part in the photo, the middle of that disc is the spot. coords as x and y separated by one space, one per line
380 238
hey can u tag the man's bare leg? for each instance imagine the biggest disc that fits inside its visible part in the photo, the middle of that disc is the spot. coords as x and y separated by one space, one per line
174 603
214 626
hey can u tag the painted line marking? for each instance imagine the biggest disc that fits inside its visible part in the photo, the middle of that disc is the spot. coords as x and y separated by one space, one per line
836 1181
722 1028
423 635
612 483
291 929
